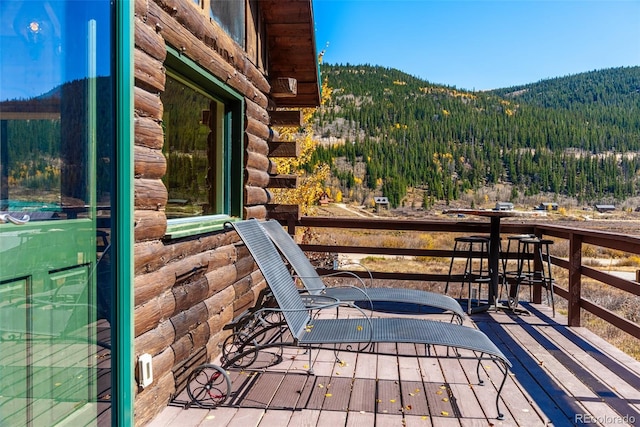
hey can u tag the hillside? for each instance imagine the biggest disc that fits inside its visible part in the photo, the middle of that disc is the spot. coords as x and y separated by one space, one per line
386 132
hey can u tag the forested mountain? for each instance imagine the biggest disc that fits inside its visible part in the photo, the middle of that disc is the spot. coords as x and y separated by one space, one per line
577 136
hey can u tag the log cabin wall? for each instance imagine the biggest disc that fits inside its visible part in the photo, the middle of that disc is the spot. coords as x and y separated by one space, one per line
186 290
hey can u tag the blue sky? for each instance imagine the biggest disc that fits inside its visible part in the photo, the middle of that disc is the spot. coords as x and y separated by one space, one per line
480 44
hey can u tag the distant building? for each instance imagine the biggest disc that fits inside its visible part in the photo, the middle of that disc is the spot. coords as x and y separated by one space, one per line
381 202
504 206
547 206
605 208
325 199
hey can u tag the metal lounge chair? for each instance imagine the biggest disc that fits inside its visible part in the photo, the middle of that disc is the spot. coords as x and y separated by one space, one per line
315 285
207 383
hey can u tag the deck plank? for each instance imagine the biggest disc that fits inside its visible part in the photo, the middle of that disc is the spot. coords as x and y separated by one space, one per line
275 418
598 378
388 368
533 387
565 380
289 392
363 395
414 399
315 391
217 417
337 394
607 373
437 395
332 418
359 419
247 417
261 393
366 366
388 401
304 418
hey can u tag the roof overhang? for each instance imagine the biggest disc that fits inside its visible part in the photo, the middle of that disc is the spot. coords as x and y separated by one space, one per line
292 56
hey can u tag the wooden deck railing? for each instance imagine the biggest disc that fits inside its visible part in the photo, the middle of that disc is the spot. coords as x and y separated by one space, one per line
575 237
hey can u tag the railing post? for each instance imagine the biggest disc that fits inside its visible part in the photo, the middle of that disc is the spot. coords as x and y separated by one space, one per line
291 226
575 279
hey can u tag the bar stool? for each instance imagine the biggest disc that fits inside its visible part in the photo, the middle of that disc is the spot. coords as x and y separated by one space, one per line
538 250
510 272
473 248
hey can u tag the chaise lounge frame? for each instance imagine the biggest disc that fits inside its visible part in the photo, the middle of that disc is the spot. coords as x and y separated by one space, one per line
314 284
209 385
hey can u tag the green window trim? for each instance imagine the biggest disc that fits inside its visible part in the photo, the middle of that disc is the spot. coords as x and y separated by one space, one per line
232 201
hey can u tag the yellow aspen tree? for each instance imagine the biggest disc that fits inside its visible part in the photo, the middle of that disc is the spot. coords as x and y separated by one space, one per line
310 185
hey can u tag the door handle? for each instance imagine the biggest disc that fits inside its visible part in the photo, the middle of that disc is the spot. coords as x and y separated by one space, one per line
4 218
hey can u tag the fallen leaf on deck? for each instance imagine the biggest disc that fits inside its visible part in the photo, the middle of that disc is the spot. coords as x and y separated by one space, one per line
444 413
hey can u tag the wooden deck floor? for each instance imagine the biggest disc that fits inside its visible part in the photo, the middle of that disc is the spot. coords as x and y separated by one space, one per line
561 376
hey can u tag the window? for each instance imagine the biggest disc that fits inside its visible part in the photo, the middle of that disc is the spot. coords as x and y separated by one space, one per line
230 14
202 122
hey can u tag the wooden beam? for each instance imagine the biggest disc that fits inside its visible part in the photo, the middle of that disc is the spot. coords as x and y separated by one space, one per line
286 118
283 181
284 87
283 212
284 149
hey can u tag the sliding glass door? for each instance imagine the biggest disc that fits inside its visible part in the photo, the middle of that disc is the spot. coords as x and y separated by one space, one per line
56 145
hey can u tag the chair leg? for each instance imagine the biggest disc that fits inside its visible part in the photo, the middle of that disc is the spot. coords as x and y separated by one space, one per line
468 274
453 257
549 283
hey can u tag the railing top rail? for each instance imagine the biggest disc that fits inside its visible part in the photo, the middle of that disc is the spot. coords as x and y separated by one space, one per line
608 239
449 225
612 240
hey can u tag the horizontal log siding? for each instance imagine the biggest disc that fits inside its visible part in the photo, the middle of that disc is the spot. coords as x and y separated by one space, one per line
187 290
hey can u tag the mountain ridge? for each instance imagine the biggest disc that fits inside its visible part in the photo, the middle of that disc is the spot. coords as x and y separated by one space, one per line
576 136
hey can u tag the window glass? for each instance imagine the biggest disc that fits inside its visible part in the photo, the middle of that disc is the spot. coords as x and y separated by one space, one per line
192 130
230 14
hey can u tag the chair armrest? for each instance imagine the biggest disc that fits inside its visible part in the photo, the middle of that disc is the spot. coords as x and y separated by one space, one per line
337 273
